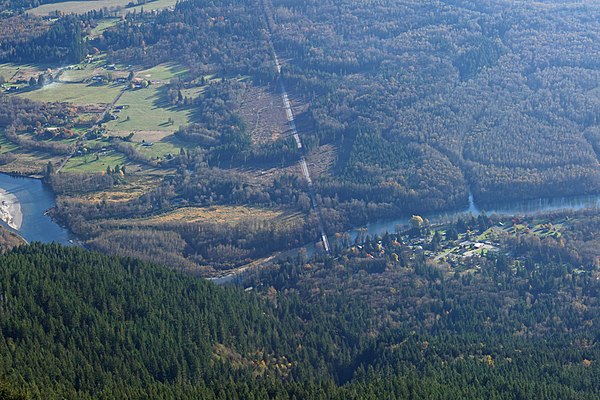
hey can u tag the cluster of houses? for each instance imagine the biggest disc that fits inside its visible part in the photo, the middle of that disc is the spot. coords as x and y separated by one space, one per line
468 250
452 252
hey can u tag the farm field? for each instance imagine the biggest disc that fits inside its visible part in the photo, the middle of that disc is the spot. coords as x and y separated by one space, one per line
79 75
147 110
76 93
8 70
82 7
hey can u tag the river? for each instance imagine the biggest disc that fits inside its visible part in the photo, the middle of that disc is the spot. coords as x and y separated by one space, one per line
35 199
525 207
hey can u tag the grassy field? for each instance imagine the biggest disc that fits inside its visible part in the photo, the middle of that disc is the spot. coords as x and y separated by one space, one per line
7 71
77 93
77 75
134 186
6 146
13 72
162 72
29 162
88 163
167 145
103 25
147 110
85 6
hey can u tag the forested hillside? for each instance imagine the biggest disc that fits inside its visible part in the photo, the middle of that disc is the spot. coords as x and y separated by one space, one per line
34 40
423 100
76 324
432 97
226 34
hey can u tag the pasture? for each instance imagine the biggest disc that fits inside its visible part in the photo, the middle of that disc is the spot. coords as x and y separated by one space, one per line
76 93
147 110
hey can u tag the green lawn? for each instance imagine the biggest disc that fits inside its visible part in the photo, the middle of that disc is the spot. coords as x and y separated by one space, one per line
147 111
77 93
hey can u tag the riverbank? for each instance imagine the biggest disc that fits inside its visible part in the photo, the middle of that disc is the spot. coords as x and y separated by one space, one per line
10 210
24 202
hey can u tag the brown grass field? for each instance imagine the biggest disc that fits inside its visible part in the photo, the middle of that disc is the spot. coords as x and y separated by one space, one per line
135 186
230 215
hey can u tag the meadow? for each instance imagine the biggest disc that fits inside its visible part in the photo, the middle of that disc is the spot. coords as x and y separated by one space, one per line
76 93
146 110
